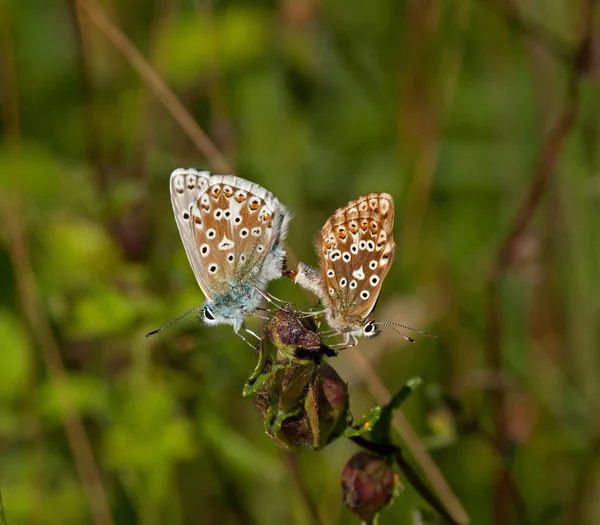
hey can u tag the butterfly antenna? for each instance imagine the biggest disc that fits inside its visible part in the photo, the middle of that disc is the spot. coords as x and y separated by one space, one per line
422 332
173 321
389 325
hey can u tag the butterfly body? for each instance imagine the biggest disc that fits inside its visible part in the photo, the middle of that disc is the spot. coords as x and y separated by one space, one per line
356 250
233 232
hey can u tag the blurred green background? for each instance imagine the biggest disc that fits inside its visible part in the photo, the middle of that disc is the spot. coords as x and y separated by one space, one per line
445 104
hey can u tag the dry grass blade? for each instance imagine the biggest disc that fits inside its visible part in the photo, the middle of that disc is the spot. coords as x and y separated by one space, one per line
415 446
16 242
158 86
77 438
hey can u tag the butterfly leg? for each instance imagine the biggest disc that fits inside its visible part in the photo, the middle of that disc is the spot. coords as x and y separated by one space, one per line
329 333
346 344
302 314
252 333
246 340
272 299
262 310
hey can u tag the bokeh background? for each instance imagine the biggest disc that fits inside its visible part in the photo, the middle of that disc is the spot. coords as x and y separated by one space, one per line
481 118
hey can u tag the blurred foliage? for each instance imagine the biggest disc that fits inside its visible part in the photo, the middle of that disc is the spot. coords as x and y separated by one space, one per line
442 103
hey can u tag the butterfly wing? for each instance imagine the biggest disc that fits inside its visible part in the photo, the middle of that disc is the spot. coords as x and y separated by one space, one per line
356 249
187 184
238 232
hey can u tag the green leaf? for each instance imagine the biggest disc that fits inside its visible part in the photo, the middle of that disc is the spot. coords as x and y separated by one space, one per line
382 430
363 425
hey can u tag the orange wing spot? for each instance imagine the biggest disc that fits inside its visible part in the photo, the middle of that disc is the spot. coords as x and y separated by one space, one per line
228 192
364 224
254 205
216 191
270 224
240 198
267 217
353 227
327 245
342 234
206 207
374 227
197 220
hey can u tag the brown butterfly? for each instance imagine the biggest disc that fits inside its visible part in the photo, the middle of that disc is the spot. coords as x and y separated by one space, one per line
356 250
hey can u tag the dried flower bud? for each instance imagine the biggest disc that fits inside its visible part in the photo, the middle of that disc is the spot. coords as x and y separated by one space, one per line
293 336
314 396
368 483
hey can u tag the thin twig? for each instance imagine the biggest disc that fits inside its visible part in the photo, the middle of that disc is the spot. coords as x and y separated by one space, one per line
550 151
92 133
12 226
415 446
548 157
79 444
159 87
409 472
549 154
555 45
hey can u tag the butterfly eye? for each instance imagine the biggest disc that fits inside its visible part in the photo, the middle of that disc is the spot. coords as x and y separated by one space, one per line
208 316
370 329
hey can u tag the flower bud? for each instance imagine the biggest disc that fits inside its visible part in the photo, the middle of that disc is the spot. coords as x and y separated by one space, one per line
293 336
315 397
368 483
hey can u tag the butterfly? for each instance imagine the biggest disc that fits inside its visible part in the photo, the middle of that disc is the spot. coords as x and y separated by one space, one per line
356 249
233 232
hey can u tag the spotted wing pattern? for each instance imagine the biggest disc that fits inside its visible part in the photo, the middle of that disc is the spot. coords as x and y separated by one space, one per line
356 248
232 230
186 184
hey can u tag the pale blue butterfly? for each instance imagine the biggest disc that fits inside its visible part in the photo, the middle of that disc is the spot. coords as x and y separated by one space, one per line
233 232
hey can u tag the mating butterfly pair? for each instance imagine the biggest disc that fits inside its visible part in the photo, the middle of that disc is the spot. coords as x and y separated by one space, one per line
233 232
